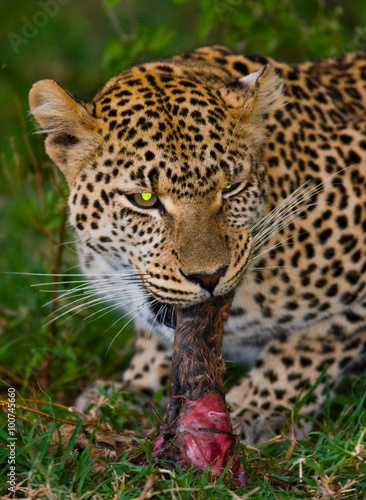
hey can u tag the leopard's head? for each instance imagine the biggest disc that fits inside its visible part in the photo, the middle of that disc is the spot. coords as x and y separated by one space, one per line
165 174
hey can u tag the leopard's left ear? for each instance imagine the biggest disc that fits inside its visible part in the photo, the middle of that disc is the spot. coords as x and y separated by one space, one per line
255 94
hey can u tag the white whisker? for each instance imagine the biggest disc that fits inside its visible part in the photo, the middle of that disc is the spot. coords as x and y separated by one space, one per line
161 308
279 207
129 276
278 226
111 308
85 289
267 267
278 244
78 274
83 304
286 211
138 309
165 311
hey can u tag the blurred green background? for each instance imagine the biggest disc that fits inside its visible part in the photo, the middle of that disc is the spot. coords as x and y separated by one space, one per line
80 44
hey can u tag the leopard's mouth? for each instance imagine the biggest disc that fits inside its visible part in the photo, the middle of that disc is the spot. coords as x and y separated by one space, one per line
166 314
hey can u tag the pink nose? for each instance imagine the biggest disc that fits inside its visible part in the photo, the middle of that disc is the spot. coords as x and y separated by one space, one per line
207 281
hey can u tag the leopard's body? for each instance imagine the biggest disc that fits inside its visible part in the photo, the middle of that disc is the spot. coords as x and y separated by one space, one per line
184 129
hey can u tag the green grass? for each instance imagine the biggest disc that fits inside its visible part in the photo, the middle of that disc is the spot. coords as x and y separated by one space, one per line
329 464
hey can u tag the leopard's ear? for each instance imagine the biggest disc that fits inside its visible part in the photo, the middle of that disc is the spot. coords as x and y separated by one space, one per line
255 94
70 127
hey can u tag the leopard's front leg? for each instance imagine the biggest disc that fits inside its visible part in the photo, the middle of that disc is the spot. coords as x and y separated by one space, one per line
287 369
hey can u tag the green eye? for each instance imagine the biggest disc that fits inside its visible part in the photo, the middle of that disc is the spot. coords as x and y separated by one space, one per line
144 200
229 188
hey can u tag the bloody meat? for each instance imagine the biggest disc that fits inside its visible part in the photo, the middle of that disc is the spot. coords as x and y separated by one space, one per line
198 430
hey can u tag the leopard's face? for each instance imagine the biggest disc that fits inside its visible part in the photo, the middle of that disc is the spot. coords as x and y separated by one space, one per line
165 176
174 196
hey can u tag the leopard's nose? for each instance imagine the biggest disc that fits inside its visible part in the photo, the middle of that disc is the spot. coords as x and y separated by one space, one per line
205 280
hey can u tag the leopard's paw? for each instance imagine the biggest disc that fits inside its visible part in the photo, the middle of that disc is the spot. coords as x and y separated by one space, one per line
101 443
94 395
258 427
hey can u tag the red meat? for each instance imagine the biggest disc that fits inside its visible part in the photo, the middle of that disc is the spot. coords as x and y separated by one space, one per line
198 429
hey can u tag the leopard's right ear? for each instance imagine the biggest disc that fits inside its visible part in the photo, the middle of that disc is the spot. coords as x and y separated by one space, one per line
70 127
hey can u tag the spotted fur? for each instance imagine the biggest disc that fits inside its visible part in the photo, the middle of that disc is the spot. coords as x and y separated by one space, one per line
288 236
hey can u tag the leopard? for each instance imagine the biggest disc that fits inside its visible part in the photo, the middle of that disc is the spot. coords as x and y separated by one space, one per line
210 173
